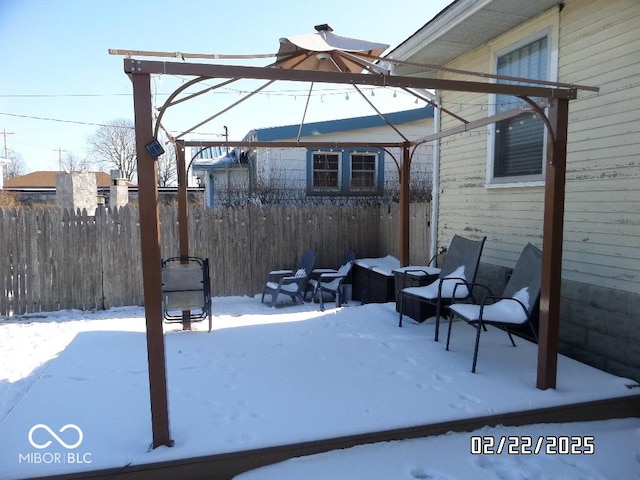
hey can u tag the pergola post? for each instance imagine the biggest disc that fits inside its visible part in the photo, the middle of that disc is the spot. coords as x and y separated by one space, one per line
552 244
183 218
151 268
405 171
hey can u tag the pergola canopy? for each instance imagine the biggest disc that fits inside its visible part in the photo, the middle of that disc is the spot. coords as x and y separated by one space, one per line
327 52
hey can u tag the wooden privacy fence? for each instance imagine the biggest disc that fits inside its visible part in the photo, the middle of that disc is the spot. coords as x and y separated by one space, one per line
52 259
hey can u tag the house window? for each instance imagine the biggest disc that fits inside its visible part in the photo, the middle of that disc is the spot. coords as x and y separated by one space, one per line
345 171
519 142
326 171
363 171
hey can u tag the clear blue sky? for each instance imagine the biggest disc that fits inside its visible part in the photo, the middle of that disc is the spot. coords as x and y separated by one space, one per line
55 63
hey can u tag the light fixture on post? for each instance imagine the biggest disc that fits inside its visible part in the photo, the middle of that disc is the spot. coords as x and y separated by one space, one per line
154 148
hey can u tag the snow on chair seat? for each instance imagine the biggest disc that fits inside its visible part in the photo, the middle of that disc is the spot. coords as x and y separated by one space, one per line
285 281
514 307
458 271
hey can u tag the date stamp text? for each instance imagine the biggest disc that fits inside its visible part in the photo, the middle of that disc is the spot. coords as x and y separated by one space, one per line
528 445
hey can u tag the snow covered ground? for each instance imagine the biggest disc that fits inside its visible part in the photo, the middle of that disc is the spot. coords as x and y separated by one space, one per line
271 376
449 457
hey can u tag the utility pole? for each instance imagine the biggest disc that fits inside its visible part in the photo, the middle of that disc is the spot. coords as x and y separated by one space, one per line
59 150
4 134
226 137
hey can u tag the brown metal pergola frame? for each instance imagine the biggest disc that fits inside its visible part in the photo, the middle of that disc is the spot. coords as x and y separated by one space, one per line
556 97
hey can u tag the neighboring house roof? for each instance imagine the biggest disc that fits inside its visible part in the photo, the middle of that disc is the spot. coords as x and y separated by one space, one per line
340 125
47 179
223 161
463 26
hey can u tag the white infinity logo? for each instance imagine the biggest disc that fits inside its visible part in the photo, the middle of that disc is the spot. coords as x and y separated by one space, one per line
53 434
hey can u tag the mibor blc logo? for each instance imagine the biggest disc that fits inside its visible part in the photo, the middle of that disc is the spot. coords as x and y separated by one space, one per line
53 434
69 437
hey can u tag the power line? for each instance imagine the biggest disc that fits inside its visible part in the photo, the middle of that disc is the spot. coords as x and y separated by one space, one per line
82 123
65 121
62 95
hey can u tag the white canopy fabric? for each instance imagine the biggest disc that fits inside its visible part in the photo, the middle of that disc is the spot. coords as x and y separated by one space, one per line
326 51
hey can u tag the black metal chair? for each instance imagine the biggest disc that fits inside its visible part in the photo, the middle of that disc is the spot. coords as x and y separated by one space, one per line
331 281
513 308
186 289
460 265
289 282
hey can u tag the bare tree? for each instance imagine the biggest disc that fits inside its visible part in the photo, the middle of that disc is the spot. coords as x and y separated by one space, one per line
16 165
72 163
114 146
167 172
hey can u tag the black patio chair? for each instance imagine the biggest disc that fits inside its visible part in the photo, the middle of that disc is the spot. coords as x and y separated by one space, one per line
513 308
289 282
460 266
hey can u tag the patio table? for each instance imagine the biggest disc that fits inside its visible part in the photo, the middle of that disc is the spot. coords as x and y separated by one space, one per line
414 276
373 279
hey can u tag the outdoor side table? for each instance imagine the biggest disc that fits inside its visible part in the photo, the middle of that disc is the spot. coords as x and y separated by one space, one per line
373 279
414 276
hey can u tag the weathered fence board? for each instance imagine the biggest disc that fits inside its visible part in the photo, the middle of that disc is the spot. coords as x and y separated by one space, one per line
54 259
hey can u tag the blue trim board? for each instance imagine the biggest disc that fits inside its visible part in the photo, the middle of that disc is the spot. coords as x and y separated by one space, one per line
340 125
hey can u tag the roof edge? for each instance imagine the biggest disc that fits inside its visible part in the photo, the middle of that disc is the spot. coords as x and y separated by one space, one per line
340 125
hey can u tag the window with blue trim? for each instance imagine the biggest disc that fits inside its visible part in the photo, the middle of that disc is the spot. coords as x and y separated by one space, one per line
326 171
363 171
345 171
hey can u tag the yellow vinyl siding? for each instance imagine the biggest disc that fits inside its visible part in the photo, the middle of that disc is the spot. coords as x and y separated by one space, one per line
509 217
599 45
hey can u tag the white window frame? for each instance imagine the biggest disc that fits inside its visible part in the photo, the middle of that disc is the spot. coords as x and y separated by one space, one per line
376 160
525 180
337 188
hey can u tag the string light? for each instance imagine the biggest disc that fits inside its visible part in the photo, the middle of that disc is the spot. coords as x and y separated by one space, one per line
285 93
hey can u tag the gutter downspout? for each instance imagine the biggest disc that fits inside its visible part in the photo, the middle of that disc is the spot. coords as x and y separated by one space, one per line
435 185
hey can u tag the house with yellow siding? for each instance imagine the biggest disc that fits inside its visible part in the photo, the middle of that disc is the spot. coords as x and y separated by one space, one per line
491 181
